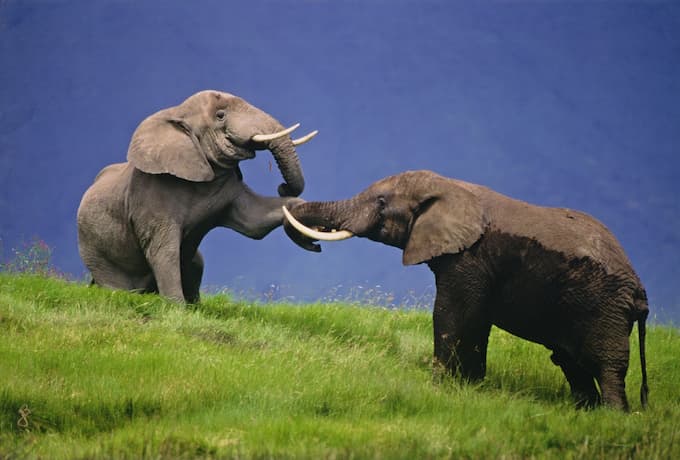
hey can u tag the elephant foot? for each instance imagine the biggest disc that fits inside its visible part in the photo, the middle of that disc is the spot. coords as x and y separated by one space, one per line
439 371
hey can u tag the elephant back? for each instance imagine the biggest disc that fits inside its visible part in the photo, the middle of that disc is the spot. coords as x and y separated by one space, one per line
573 233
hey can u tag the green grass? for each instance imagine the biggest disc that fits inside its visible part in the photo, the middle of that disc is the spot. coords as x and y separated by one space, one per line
110 374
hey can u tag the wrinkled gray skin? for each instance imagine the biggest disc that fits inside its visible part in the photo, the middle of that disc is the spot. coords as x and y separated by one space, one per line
141 222
553 276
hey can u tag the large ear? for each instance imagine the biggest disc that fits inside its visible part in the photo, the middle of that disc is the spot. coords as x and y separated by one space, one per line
449 221
163 144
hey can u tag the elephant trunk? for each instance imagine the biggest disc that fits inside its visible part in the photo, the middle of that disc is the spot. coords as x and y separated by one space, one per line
323 214
288 162
318 221
281 147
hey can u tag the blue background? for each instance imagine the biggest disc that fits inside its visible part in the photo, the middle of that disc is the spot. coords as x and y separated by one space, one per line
572 104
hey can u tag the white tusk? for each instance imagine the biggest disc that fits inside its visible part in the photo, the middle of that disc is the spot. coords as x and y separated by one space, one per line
271 137
306 138
313 234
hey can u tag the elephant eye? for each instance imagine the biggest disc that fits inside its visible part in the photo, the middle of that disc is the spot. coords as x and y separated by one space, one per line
220 114
381 202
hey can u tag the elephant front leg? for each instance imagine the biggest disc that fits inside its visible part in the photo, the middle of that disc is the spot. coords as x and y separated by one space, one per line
255 216
460 344
163 256
461 324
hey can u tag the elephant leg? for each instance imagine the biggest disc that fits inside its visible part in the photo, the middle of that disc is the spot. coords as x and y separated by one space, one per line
108 274
460 322
192 273
612 374
163 256
460 344
606 345
581 382
613 385
254 215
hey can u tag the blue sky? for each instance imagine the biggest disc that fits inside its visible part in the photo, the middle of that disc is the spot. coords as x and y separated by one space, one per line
573 104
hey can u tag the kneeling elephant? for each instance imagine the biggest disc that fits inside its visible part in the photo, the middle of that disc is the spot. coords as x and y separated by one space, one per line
141 222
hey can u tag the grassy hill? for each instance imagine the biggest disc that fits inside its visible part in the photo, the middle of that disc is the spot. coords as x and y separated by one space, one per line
87 372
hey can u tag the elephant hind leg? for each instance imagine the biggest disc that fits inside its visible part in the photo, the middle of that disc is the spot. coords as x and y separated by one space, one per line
110 275
613 385
612 376
610 351
582 383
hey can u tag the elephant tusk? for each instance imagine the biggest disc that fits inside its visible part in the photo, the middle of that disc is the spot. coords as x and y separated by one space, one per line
271 137
316 235
305 139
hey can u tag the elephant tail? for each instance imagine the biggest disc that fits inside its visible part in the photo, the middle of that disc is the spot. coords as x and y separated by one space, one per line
643 311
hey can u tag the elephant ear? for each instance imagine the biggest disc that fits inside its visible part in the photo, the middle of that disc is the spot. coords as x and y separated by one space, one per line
168 145
447 223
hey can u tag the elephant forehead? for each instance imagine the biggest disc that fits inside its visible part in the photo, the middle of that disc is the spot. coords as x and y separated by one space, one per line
213 98
411 186
380 188
211 94
392 184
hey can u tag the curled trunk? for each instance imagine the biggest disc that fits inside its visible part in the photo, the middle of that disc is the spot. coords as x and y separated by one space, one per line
315 214
321 214
255 129
288 162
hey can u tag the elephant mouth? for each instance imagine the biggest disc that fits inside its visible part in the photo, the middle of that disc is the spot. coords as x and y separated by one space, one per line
236 154
322 234
260 142
241 153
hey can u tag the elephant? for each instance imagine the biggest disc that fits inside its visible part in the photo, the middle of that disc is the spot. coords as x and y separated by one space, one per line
553 276
140 223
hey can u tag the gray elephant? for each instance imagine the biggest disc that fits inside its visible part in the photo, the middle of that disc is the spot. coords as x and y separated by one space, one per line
141 222
553 276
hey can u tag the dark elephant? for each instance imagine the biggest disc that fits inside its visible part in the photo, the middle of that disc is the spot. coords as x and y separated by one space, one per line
141 222
553 276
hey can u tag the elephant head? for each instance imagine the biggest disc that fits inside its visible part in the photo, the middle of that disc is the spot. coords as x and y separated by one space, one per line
420 212
212 131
